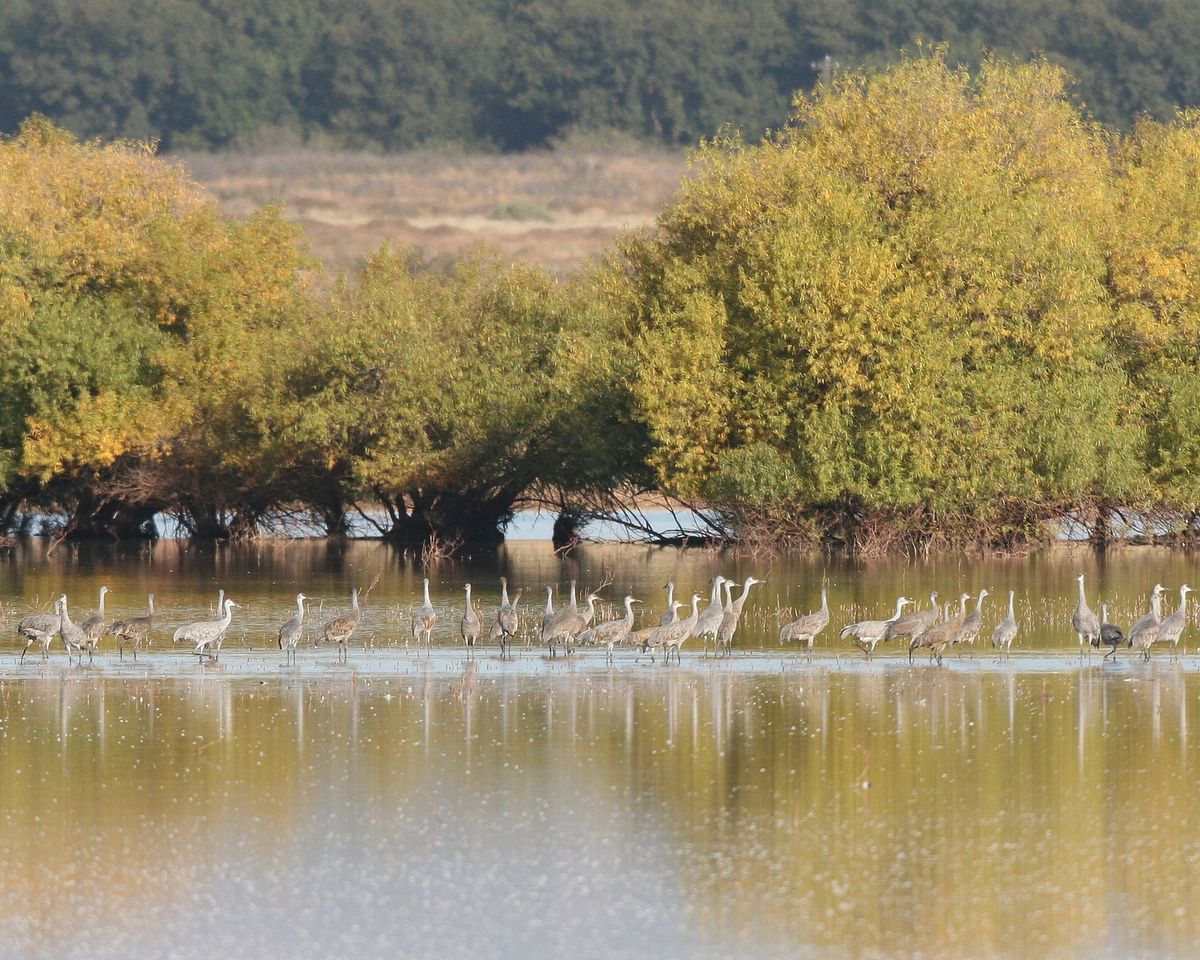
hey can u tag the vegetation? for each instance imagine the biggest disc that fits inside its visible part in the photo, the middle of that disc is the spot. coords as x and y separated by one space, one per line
938 308
513 75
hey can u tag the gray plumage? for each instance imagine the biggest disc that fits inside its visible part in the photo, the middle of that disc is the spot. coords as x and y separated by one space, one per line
424 619
913 625
73 637
1110 634
565 628
969 632
507 617
135 630
181 633
1171 629
708 624
807 628
732 615
940 634
648 639
93 626
40 628
1084 621
208 634
469 626
1146 628
867 634
674 635
293 629
611 633
669 615
1006 629
339 630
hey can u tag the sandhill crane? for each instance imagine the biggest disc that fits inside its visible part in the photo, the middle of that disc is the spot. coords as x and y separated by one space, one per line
548 614
669 615
424 619
40 628
507 620
674 635
940 634
181 633
1085 622
469 626
808 627
1110 634
1149 622
293 629
1171 629
970 628
567 626
648 639
708 624
733 615
73 637
1006 629
913 625
135 630
866 634
612 632
207 634
93 626
339 630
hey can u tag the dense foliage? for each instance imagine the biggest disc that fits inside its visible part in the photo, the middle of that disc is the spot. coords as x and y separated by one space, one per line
513 74
937 305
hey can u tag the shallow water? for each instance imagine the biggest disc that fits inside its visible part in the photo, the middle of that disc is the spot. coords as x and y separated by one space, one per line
414 804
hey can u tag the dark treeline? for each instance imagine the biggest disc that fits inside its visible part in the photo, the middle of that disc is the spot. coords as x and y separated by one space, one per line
515 74
941 308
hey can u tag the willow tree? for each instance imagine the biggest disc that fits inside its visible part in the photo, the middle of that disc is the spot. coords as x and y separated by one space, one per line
136 320
892 316
445 399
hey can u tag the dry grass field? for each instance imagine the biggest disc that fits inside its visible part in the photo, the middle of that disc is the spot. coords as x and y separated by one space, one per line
556 207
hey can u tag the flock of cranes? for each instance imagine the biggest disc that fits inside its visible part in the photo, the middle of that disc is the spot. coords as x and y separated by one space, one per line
935 628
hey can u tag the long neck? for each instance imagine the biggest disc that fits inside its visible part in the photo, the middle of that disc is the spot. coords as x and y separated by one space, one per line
695 606
150 605
1156 606
670 594
300 607
228 617
354 600
503 592
979 604
741 600
573 602
65 616
1082 597
103 594
549 599
629 610
591 607
1182 599
1011 613
220 600
716 591
899 610
427 603
933 604
468 598
824 600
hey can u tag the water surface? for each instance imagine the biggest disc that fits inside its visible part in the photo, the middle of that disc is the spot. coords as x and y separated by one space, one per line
414 804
